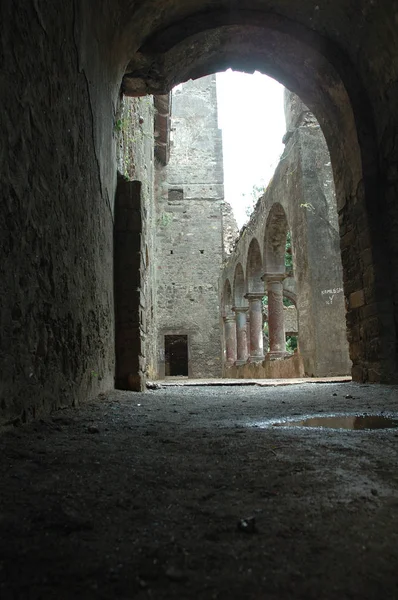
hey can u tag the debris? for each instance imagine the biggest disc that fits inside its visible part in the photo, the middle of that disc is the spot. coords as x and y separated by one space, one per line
93 429
349 397
247 525
153 386
175 574
374 492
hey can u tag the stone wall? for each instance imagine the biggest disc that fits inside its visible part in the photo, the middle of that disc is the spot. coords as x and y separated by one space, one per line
302 189
56 212
62 68
189 237
135 245
230 230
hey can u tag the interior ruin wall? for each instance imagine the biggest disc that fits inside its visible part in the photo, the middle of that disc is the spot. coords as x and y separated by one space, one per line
58 168
189 195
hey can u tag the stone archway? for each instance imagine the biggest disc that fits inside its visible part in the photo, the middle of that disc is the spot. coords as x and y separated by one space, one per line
229 346
241 310
254 295
276 230
322 74
275 234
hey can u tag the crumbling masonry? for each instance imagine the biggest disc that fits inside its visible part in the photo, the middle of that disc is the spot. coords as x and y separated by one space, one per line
301 199
64 67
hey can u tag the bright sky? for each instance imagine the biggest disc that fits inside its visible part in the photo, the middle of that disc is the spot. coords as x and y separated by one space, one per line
250 114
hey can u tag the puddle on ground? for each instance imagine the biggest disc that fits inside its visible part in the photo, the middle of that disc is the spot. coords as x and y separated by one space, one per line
344 422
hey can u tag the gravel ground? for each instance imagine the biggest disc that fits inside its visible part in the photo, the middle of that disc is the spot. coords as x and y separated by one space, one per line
182 492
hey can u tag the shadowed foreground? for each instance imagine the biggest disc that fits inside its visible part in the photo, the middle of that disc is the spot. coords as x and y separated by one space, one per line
139 496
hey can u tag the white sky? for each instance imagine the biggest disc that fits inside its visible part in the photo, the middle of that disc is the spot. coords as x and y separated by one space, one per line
250 114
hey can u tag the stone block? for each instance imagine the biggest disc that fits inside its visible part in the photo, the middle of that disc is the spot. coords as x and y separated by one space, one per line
357 299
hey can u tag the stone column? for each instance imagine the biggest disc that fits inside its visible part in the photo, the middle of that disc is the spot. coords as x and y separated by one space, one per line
248 332
256 326
230 338
276 319
241 334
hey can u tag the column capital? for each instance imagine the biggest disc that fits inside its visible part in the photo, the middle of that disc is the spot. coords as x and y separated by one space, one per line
240 309
274 277
229 319
254 295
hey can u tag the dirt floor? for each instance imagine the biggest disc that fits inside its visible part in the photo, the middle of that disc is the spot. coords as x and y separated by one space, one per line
179 493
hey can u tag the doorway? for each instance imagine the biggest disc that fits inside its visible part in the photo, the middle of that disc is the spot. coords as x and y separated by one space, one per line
176 355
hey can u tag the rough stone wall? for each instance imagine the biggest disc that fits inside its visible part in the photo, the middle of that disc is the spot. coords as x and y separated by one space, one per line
61 69
303 186
56 223
230 230
291 322
189 237
135 161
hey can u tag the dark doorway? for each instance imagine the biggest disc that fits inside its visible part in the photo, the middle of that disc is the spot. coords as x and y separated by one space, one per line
176 355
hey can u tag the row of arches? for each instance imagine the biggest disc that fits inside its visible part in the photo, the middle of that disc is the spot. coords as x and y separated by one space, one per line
261 272
268 258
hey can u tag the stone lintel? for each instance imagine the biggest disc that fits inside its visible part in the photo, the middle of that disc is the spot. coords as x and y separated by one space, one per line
357 299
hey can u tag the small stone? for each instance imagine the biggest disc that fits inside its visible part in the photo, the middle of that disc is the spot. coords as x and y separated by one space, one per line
175 574
334 394
153 386
247 525
374 492
349 397
93 429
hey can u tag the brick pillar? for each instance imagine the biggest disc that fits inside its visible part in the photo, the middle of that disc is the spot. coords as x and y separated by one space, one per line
256 326
276 320
230 338
241 334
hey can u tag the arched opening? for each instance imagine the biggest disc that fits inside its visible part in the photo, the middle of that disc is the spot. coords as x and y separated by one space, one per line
203 43
226 299
275 238
254 268
229 326
242 317
239 286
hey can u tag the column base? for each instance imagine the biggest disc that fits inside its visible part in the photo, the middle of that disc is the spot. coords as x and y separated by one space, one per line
255 359
238 363
276 355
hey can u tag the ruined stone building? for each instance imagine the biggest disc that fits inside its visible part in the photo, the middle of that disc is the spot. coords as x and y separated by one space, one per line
189 195
299 200
171 173
77 243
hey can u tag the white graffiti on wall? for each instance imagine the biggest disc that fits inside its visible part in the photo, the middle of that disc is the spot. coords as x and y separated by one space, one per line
331 294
